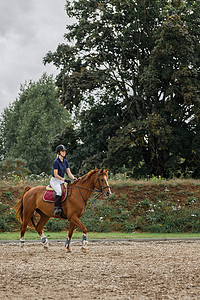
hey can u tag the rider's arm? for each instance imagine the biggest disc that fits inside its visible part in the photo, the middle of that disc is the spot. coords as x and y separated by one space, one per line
55 171
70 174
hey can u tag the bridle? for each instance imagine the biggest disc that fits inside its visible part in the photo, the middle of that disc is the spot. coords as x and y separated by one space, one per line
99 191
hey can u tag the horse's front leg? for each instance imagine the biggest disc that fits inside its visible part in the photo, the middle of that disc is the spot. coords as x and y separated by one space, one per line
75 220
68 240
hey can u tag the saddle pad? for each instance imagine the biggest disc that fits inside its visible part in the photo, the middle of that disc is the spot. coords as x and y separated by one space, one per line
48 196
49 188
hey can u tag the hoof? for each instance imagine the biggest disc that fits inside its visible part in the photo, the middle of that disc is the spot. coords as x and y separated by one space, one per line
57 211
84 250
68 250
46 247
45 243
22 242
84 246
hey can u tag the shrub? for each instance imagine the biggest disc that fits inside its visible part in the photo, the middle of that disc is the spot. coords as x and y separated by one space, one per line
56 225
128 226
3 224
8 195
13 167
7 218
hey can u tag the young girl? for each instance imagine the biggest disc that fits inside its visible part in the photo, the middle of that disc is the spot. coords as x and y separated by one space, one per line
60 166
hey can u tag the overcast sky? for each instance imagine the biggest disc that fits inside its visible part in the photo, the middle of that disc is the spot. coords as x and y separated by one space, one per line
28 30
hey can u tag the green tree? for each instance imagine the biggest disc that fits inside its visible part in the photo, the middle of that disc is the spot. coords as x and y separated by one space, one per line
30 123
88 143
129 52
171 80
108 47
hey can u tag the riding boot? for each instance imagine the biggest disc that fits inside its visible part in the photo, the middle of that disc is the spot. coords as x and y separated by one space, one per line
57 209
62 213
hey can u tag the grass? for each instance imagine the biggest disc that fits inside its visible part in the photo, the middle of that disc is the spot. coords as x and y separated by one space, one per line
29 235
155 181
113 182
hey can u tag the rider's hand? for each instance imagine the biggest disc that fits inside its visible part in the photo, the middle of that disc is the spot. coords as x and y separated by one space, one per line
67 181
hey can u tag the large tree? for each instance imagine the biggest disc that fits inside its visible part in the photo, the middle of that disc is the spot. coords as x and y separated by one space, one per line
88 143
107 50
144 56
29 124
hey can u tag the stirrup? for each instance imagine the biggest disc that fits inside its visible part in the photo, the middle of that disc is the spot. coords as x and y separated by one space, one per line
63 215
57 211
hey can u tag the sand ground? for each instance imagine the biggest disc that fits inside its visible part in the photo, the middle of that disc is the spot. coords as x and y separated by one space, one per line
109 270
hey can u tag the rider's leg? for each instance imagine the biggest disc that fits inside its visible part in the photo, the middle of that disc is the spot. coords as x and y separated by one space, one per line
56 185
57 208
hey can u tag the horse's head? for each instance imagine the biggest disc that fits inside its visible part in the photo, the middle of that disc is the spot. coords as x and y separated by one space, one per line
101 183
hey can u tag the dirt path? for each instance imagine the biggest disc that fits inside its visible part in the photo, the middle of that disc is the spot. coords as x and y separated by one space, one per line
110 270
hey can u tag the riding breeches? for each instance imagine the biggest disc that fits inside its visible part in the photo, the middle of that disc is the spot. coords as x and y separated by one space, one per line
56 185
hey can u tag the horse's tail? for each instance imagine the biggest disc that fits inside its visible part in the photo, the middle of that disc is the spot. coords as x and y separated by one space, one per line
19 205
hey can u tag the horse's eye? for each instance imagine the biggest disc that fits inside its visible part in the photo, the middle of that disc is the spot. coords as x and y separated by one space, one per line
101 179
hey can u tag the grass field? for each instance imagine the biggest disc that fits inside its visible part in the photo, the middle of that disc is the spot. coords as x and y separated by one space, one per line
97 235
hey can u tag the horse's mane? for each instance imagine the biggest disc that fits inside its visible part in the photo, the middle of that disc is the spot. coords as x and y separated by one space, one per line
88 175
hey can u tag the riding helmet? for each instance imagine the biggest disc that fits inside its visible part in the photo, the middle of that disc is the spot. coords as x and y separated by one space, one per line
60 148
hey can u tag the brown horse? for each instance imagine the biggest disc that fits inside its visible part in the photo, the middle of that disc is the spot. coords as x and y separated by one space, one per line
31 201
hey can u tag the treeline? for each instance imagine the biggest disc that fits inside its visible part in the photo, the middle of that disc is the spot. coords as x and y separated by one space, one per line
27 127
129 87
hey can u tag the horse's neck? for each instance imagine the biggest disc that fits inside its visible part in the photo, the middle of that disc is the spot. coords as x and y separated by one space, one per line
85 189
88 184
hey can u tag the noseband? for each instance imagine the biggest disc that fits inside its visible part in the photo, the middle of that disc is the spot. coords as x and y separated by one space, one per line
101 189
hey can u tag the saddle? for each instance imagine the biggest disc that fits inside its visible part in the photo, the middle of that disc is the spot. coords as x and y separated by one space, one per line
49 195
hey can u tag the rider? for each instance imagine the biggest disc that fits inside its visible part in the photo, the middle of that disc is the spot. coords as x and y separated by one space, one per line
60 166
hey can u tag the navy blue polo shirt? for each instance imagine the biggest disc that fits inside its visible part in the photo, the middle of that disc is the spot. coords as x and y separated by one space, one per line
61 166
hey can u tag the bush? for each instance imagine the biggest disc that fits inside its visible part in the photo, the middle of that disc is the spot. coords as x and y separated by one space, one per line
12 167
7 218
3 224
56 225
161 213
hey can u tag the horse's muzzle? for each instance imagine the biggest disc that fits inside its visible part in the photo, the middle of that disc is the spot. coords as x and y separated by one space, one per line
107 193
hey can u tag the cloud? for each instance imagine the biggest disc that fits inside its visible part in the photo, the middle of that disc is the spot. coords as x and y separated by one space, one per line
12 14
28 30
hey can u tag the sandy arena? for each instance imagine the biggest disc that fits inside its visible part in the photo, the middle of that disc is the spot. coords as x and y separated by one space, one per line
109 270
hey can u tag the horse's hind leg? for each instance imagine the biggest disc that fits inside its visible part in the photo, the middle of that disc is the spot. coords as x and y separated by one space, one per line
23 230
26 219
39 228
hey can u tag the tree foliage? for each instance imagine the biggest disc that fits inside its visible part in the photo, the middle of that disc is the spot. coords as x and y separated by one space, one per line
30 123
143 57
108 48
129 74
